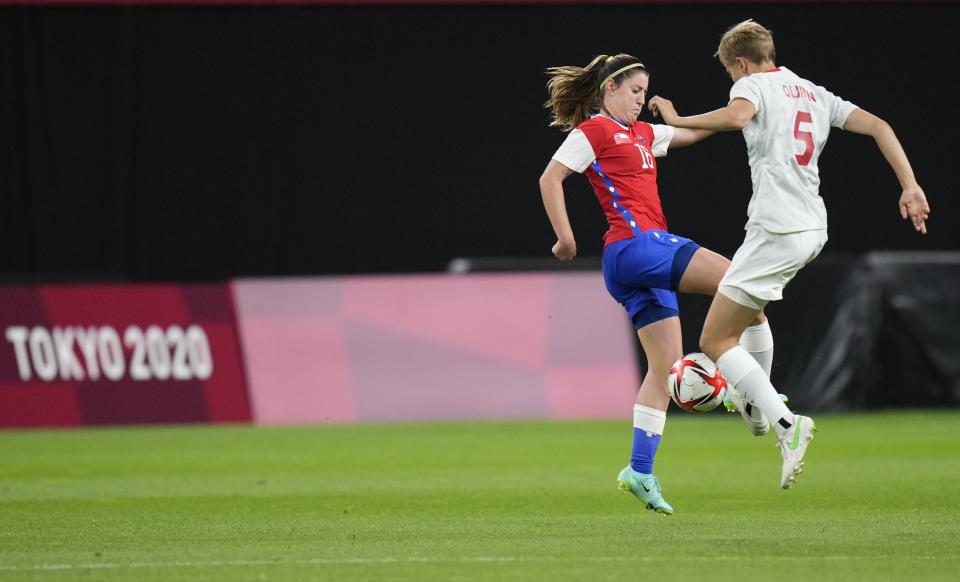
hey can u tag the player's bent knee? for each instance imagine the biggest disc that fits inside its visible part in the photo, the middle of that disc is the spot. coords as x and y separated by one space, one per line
709 346
715 344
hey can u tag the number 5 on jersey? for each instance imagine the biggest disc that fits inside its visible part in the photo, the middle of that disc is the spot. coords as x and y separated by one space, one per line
805 136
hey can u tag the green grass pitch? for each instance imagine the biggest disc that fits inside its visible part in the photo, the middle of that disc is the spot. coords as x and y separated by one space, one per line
879 500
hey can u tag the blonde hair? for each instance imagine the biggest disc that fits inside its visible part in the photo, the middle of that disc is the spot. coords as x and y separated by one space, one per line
576 92
749 40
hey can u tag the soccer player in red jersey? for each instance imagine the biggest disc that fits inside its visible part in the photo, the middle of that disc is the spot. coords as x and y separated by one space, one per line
643 263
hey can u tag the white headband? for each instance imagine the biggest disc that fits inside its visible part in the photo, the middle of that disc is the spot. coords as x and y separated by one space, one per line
618 71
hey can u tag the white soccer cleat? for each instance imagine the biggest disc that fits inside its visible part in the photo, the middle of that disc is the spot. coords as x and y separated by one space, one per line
793 445
756 422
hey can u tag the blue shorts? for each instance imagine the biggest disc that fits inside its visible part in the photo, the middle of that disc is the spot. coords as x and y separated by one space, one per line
643 272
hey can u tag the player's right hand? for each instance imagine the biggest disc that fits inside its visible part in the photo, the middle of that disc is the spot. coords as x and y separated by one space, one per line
664 108
565 250
914 205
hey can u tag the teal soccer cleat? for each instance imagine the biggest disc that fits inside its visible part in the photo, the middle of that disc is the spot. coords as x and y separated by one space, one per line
645 487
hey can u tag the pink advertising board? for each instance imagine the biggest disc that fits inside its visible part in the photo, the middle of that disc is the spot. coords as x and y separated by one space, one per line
119 354
435 347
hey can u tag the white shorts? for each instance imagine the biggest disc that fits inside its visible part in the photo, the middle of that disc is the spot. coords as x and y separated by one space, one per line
766 262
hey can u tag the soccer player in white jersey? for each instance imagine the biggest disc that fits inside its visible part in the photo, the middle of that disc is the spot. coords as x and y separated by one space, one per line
785 121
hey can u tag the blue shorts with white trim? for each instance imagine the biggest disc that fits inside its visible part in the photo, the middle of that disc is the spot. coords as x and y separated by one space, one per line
643 272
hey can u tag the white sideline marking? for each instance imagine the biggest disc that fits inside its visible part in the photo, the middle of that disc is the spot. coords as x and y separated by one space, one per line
414 559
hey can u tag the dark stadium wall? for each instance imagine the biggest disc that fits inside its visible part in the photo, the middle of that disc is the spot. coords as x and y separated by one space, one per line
182 143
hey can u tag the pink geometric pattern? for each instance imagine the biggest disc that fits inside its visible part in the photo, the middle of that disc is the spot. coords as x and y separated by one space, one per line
435 347
302 368
454 311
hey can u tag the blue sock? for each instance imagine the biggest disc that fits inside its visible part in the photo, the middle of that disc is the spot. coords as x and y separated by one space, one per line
644 449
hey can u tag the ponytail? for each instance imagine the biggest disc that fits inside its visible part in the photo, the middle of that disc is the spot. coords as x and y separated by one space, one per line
577 92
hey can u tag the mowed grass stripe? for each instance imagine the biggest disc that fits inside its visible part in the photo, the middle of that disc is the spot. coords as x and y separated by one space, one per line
412 559
504 500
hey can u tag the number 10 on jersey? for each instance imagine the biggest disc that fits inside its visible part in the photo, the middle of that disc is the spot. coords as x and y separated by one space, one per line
645 156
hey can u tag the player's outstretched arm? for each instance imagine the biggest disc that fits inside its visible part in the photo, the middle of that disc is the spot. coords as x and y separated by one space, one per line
551 188
734 116
683 137
913 202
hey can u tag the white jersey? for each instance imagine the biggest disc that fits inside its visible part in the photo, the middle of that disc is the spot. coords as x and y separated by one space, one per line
784 141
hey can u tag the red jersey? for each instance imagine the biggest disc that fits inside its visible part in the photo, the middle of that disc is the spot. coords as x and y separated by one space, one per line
620 163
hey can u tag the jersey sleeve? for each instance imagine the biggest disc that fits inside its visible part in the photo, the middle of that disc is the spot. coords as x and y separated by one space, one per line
840 109
662 136
576 152
749 89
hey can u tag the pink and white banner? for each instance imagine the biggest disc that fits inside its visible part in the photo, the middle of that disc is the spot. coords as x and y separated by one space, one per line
119 354
435 347
352 349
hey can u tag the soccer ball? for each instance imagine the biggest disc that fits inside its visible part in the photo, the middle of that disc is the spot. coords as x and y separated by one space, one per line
696 384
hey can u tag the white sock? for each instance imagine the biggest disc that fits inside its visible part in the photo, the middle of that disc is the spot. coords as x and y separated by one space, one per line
758 340
745 374
649 419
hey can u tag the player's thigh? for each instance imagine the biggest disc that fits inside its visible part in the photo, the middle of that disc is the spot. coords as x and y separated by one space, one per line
726 319
662 343
703 273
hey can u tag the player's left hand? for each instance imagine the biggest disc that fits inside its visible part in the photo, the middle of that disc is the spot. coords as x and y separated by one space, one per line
664 108
914 205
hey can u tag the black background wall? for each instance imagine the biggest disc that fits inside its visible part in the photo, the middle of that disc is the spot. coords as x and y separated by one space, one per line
187 143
